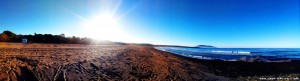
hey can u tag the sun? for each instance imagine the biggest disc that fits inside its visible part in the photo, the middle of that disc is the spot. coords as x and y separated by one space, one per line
104 27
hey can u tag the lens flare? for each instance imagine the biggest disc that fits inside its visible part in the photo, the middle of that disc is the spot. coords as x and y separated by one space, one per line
103 27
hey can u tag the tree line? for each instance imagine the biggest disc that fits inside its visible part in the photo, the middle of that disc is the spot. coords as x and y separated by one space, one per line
8 36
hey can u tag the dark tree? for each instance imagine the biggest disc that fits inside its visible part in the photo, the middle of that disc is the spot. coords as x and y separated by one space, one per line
9 33
8 36
4 37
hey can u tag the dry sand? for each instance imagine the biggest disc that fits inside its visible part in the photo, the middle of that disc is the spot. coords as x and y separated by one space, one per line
50 62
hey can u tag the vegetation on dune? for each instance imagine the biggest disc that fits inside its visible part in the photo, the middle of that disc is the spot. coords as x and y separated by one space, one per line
8 36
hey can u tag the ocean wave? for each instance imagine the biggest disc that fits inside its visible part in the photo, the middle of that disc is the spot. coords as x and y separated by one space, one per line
238 54
202 57
232 52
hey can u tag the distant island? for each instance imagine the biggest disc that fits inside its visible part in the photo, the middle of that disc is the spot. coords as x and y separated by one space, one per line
205 46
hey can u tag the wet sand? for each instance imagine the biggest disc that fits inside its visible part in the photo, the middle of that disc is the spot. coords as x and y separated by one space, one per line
50 62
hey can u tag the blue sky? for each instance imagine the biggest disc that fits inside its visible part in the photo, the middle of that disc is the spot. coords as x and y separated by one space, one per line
223 23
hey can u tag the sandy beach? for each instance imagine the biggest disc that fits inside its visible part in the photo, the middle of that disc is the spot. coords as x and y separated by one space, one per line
149 40
51 62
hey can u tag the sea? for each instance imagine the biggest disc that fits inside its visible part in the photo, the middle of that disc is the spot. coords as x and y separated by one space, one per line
237 54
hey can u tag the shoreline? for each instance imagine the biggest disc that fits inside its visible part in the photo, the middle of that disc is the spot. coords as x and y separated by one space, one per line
235 69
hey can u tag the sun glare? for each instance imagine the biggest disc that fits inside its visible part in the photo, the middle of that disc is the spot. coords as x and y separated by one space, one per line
104 27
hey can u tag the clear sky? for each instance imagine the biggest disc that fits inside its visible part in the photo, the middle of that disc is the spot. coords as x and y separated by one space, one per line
222 23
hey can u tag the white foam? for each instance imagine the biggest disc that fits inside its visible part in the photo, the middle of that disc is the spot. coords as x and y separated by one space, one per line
201 57
232 52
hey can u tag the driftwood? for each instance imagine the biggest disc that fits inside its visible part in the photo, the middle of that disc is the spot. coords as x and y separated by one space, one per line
57 72
35 72
64 74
